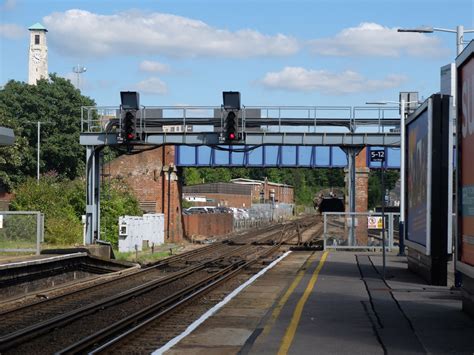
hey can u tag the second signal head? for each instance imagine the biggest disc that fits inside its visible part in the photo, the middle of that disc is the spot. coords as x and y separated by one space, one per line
231 127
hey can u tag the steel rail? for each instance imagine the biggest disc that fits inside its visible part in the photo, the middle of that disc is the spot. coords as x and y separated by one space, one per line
173 302
35 330
139 273
153 267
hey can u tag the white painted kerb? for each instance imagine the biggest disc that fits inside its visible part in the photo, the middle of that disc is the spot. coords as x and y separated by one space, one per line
218 306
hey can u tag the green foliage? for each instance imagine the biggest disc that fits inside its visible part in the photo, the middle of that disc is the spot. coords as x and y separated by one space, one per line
116 201
186 204
375 185
50 196
63 203
192 176
57 104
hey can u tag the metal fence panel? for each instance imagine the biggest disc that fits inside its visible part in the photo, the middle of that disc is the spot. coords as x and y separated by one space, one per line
263 213
345 230
21 231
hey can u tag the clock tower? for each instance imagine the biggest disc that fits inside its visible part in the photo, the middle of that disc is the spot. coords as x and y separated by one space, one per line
38 54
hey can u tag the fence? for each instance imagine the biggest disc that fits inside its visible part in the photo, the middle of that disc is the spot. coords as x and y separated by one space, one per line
207 224
21 231
346 230
262 214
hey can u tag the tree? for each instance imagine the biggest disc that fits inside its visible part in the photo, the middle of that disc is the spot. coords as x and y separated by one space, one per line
192 176
56 103
375 185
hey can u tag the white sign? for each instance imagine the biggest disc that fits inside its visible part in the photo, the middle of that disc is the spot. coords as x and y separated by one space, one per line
374 222
195 199
177 128
1 220
350 220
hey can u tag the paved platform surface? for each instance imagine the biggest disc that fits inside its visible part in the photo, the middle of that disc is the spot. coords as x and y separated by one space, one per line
337 303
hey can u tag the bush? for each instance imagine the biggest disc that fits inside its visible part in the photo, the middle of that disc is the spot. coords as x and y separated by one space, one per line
50 196
63 203
116 200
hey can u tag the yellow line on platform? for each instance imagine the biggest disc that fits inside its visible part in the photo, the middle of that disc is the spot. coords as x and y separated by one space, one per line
284 299
291 330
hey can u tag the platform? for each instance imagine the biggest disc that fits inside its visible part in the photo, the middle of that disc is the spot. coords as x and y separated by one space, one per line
336 303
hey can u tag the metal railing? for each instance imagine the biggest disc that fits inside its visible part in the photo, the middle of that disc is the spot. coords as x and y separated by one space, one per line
21 231
262 214
309 119
346 230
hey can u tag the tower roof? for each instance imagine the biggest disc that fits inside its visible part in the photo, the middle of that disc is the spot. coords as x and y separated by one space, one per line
37 27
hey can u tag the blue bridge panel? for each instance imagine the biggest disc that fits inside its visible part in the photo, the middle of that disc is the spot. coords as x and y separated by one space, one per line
274 156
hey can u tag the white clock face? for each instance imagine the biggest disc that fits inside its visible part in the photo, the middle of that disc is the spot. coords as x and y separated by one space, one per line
36 57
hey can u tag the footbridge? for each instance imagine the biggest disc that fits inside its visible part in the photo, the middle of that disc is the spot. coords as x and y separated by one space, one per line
281 136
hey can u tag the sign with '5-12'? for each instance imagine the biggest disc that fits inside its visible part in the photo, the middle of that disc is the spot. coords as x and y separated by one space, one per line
377 155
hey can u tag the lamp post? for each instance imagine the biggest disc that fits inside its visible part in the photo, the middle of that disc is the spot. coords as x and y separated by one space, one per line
38 146
38 152
459 31
79 69
401 228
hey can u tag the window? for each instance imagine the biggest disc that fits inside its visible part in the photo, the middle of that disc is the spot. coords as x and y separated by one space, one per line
37 39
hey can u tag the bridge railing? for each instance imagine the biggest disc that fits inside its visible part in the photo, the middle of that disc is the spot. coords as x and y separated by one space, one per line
309 119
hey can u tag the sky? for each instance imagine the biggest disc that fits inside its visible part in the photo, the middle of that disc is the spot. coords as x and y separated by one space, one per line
275 52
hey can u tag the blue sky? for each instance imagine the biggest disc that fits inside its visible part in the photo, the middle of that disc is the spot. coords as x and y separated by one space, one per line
176 52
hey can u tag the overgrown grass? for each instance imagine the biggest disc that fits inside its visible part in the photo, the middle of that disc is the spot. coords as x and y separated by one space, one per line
146 256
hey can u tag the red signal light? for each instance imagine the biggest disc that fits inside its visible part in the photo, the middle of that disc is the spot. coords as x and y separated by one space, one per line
231 136
130 136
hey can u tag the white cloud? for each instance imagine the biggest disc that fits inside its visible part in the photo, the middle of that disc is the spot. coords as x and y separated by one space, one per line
153 67
82 32
12 31
8 5
347 82
372 39
152 86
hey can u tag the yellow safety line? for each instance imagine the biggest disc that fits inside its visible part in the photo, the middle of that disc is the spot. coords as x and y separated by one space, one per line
286 296
291 330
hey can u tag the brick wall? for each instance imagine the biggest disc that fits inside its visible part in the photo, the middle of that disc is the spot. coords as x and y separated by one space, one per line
212 224
154 181
283 194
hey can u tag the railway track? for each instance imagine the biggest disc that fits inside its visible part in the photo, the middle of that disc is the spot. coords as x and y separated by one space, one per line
75 322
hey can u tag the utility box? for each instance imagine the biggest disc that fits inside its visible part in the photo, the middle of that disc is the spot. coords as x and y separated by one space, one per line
135 231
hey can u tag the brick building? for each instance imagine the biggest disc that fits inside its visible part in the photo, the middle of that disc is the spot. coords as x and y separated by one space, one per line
264 190
219 194
153 178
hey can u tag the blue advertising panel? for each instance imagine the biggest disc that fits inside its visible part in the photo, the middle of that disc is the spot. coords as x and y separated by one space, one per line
417 179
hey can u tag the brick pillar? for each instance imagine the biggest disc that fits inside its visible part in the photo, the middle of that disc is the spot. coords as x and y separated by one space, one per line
362 195
151 175
170 201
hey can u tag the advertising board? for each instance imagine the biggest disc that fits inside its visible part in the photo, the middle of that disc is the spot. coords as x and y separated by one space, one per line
428 194
466 157
417 180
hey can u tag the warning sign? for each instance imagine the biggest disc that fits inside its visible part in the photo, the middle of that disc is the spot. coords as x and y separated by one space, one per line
374 222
